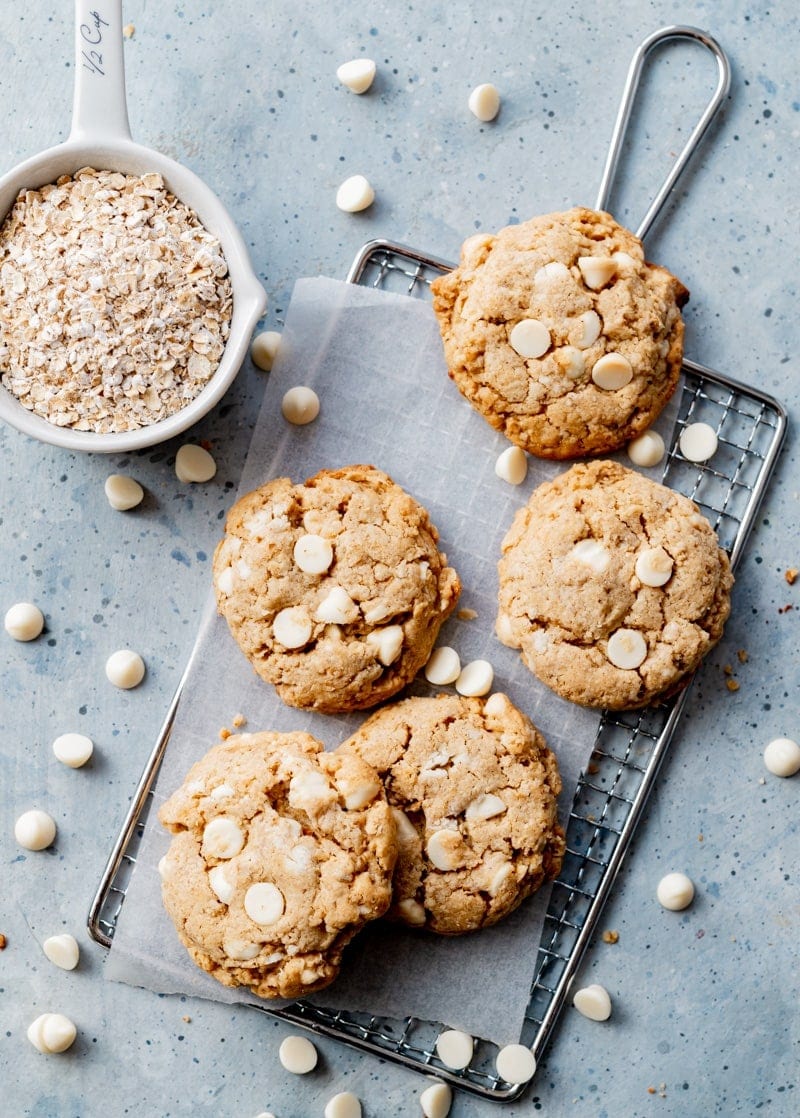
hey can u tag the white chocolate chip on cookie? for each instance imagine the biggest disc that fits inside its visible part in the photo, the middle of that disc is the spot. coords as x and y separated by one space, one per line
612 372
336 608
222 838
313 554
486 806
587 330
592 554
242 949
572 361
445 849
627 649
292 627
412 912
530 338
387 643
221 886
264 903
654 566
597 270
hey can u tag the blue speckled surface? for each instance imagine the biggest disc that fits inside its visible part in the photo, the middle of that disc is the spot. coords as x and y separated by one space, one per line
705 1001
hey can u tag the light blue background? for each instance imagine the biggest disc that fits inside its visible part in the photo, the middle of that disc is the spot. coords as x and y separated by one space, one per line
705 1001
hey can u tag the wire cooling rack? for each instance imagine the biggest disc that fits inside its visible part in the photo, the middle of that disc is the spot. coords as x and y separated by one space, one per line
628 749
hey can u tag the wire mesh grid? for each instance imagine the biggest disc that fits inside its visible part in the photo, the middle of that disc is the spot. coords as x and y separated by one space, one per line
628 748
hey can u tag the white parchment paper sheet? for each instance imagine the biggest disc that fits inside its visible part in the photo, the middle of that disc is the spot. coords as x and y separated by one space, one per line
375 359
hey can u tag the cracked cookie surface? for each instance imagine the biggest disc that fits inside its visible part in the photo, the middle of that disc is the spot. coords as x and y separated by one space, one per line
561 334
473 788
281 853
334 589
612 586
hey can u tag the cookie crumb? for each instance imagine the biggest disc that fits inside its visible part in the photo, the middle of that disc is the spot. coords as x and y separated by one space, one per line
786 608
728 669
731 684
3 942
651 1090
128 31
224 733
610 936
701 837
467 614
239 720
791 575
742 655
186 1019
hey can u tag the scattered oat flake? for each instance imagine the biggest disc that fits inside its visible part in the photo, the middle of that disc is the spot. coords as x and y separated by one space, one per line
128 31
791 575
731 684
611 936
467 614
743 655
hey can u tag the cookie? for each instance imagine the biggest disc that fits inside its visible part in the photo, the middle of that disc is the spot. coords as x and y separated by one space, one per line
473 788
335 588
561 334
612 586
281 853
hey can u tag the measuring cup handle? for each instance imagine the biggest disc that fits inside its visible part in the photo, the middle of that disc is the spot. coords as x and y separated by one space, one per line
99 110
624 113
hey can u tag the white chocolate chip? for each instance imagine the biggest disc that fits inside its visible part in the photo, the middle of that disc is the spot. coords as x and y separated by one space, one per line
612 372
220 885
292 627
647 450
454 1048
572 361
553 272
406 831
589 327
264 349
698 442
412 912
782 757
475 678
593 1002
355 194
500 878
445 849
515 1063
221 792
597 270
337 608
73 750
241 949
24 621
298 1055
62 951
623 260
530 338
654 566
505 631
264 903
486 806
313 554
497 704
300 405
222 838
164 868
512 465
343 1105
123 492
591 553
484 102
357 75
443 667
309 791
125 669
51 1033
225 581
35 830
358 794
386 643
437 1099
194 464
626 649
675 891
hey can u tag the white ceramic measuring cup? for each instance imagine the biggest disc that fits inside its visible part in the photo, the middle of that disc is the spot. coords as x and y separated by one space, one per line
100 138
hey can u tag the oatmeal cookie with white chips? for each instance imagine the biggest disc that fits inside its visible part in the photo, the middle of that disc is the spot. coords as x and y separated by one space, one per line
335 588
473 788
561 334
281 853
612 586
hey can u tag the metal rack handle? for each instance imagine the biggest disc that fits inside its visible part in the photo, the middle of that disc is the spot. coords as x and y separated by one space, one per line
626 105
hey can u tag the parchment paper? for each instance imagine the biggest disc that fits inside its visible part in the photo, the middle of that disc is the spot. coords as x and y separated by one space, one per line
375 359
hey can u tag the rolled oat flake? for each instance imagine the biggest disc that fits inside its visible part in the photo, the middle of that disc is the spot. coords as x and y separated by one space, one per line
115 301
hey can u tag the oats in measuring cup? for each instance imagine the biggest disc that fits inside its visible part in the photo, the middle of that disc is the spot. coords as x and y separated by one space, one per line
115 301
